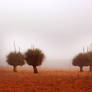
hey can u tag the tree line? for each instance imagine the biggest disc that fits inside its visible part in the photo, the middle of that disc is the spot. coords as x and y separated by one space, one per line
33 57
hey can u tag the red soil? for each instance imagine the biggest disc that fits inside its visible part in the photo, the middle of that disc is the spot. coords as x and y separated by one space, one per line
46 81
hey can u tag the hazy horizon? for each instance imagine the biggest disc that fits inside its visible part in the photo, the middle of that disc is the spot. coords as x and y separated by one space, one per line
60 28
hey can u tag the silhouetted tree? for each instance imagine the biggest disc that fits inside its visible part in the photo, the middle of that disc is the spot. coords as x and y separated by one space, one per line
35 58
81 60
15 59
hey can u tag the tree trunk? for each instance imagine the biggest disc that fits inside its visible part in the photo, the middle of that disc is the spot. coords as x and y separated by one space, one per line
90 68
14 69
35 69
81 68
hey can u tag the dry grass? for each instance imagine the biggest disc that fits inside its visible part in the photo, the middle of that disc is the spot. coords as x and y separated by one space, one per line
46 81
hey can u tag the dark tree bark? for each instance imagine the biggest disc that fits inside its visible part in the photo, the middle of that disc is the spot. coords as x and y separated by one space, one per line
90 68
35 69
81 68
14 68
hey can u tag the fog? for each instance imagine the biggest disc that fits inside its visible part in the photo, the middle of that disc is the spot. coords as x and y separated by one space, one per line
60 28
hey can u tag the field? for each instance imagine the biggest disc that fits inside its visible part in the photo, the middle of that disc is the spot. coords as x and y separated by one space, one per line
46 81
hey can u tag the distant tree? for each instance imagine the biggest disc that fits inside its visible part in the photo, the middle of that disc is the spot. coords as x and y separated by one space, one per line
81 60
90 60
35 58
15 59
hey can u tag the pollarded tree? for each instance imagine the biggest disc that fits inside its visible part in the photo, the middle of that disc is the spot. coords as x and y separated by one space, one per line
35 58
15 59
90 60
81 60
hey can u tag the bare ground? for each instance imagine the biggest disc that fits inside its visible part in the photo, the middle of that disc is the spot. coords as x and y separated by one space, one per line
46 81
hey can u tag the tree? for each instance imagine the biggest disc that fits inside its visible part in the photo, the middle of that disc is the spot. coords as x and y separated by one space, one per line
35 58
89 54
81 60
15 59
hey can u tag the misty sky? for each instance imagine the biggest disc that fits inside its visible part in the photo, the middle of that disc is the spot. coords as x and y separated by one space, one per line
59 27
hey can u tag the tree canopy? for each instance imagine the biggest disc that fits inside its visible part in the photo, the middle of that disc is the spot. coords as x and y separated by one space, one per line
81 59
15 59
34 57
